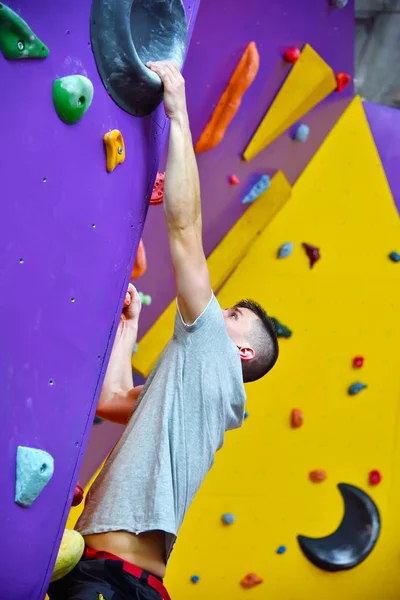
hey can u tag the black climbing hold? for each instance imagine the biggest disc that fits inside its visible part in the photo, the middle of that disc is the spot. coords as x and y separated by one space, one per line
353 540
125 35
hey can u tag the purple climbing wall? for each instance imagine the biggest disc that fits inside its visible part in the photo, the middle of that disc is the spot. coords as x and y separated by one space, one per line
69 233
385 126
223 30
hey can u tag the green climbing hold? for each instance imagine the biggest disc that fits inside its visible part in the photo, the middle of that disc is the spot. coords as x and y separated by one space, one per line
281 330
145 299
17 40
72 96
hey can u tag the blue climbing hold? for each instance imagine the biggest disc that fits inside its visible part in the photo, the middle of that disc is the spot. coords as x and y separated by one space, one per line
281 550
35 468
262 184
355 388
195 579
302 133
285 250
228 518
246 414
394 256
339 3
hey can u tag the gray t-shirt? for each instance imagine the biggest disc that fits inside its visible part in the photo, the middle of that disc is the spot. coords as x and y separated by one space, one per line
193 395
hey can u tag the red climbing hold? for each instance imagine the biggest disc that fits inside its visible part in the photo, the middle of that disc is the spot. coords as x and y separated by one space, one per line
292 55
358 362
312 253
342 81
297 418
318 475
251 580
78 495
233 180
157 195
374 477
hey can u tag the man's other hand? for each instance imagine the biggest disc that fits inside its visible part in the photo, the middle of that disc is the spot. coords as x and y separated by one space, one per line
132 306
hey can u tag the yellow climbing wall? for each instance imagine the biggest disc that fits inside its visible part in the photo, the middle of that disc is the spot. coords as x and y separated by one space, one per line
347 305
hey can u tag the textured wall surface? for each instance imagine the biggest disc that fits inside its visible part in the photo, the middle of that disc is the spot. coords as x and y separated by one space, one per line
222 31
69 231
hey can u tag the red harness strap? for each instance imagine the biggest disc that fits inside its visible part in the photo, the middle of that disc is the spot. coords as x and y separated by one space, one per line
132 569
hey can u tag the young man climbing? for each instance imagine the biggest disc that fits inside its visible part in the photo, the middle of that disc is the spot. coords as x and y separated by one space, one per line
176 423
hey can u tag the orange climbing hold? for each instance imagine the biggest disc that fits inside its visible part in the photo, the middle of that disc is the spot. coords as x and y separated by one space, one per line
318 475
140 266
157 195
297 418
251 580
115 149
230 100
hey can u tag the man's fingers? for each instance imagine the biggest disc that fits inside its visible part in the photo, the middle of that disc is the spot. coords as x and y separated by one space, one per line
130 295
166 70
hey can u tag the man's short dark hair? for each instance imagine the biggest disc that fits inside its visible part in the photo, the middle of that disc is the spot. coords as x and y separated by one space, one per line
264 341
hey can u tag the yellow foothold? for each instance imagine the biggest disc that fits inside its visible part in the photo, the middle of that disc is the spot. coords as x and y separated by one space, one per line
101 597
70 552
115 149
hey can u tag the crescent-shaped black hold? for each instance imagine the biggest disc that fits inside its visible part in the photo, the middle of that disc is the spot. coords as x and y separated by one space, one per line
125 35
353 540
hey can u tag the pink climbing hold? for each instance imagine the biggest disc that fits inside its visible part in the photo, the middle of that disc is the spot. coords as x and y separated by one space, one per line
78 495
374 477
292 55
342 81
312 252
157 195
233 180
358 362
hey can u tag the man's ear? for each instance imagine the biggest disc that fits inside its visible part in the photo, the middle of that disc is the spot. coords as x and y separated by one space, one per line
246 353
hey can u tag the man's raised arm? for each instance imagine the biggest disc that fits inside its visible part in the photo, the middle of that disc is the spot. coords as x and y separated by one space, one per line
182 202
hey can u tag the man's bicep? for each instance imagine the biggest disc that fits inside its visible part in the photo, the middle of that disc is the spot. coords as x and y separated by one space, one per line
193 287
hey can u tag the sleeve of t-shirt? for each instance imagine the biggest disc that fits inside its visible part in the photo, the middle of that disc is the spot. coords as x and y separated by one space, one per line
209 325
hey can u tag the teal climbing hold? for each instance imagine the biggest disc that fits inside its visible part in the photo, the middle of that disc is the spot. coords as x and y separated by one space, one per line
17 40
281 330
262 184
72 97
228 518
285 250
394 257
35 468
302 133
97 420
356 387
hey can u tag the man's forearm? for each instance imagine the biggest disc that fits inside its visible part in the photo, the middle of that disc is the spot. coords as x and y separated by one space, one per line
182 204
119 371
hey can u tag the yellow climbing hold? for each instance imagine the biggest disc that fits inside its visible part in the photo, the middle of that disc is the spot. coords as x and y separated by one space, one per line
101 597
69 554
310 80
115 149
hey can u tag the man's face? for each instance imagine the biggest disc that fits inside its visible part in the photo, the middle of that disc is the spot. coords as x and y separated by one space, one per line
238 323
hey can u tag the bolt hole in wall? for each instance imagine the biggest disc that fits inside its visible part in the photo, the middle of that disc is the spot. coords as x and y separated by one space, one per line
21 261
44 179
51 381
